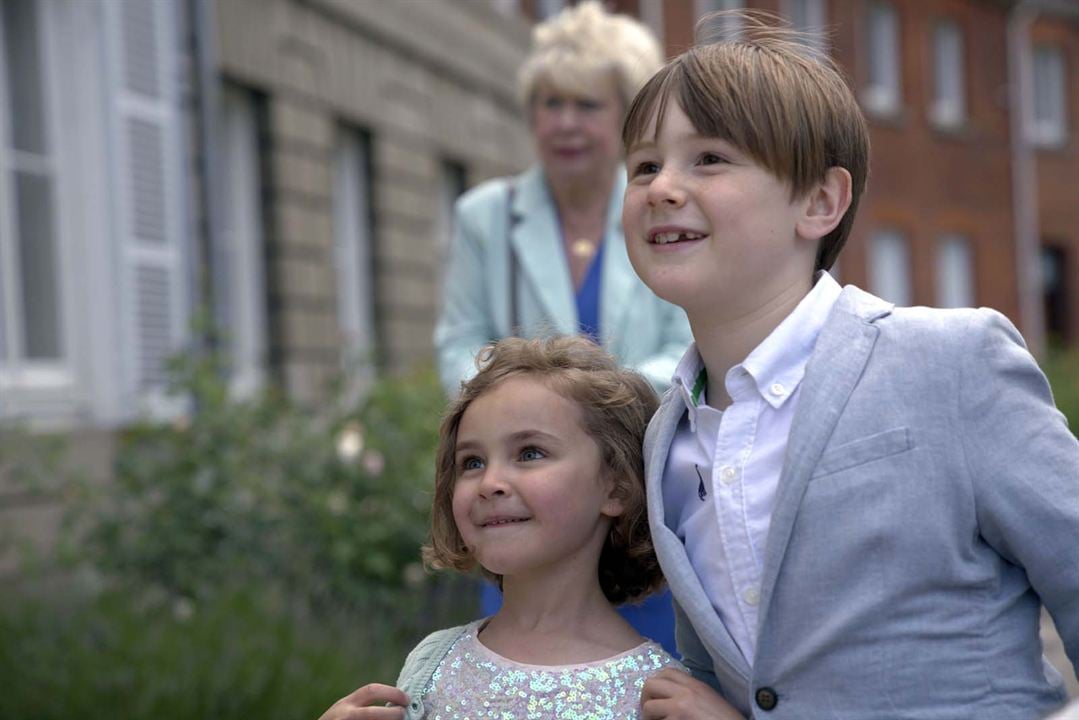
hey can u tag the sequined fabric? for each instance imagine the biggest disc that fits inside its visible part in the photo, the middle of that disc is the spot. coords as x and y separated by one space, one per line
473 682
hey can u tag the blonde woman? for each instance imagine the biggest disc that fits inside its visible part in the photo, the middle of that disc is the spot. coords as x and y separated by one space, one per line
542 253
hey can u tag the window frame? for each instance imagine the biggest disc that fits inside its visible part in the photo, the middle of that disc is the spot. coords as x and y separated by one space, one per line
948 106
883 96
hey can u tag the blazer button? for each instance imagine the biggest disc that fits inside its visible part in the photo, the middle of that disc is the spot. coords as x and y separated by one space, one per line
767 698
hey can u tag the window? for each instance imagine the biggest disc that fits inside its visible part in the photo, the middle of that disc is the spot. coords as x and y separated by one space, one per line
955 272
808 16
949 92
889 267
354 236
1049 124
453 182
240 262
33 345
718 28
1055 292
882 91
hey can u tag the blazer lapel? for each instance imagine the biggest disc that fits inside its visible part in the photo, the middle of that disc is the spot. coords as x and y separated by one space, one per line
683 581
842 351
537 242
618 275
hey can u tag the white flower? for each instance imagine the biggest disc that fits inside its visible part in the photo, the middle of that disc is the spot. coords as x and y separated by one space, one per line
183 609
350 442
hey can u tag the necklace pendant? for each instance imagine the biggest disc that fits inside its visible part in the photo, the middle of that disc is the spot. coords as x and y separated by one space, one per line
582 248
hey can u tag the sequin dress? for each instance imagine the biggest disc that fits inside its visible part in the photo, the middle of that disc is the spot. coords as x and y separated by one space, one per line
474 682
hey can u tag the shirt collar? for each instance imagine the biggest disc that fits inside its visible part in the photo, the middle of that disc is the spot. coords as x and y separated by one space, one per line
777 365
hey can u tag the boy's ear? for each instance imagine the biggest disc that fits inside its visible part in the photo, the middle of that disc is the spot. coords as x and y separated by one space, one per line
825 205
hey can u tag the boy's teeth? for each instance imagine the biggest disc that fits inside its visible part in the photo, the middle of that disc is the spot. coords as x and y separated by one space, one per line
670 237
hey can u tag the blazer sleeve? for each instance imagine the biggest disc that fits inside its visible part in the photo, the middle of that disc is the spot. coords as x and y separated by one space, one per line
659 368
466 322
1023 462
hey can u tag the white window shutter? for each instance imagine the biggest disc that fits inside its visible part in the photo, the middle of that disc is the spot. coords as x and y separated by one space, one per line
148 221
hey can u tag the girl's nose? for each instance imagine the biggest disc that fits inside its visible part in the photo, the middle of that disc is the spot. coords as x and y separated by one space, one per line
494 482
666 190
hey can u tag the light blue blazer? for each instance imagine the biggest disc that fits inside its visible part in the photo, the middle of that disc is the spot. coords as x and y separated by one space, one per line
928 504
640 330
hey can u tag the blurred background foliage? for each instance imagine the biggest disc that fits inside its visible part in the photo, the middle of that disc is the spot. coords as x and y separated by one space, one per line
257 560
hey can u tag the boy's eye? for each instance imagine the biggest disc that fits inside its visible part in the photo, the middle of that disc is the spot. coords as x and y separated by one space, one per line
532 453
710 158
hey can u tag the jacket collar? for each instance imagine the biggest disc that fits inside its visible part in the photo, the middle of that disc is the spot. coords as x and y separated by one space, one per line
838 360
536 239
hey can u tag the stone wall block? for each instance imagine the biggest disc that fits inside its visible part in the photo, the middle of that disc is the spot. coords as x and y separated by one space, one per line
296 121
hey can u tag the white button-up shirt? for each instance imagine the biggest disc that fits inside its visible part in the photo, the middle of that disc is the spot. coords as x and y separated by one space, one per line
720 482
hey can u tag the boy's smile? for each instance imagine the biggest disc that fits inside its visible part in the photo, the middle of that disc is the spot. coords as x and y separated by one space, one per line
707 227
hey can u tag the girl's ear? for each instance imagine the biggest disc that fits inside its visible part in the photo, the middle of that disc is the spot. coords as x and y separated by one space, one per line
612 506
825 205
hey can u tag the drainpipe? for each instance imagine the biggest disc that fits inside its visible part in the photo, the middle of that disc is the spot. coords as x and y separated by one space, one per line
1025 177
1024 165
213 270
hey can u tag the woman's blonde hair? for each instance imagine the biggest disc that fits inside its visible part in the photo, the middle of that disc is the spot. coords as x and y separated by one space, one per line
572 49
615 406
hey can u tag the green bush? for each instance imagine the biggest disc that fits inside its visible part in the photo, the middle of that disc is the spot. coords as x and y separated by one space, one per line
241 654
258 559
1062 369
332 505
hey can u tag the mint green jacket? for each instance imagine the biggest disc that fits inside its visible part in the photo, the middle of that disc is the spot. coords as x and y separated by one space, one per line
640 330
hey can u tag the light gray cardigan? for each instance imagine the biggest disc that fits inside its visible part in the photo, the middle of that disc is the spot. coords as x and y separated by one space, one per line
420 666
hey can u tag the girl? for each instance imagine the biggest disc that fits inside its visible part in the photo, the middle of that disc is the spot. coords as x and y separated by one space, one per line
539 481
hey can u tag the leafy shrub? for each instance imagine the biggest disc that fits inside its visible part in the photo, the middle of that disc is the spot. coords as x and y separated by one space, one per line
258 559
242 654
1062 369
331 505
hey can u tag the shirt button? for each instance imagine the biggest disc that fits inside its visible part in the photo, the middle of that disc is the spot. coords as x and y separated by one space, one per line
766 698
752 596
776 389
728 475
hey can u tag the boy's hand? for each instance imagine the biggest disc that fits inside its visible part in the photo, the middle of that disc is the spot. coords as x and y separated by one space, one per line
356 706
674 695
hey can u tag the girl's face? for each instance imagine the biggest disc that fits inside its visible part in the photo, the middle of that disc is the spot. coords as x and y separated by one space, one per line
530 496
577 134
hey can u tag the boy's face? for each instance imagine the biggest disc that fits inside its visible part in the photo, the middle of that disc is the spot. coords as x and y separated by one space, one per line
706 227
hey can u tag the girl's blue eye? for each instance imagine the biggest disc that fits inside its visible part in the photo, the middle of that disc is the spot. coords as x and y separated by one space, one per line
645 168
471 463
532 453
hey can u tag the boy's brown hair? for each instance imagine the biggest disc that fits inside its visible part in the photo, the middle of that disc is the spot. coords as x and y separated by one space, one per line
615 406
769 95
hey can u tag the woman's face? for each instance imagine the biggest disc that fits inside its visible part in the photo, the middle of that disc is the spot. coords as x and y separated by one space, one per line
578 133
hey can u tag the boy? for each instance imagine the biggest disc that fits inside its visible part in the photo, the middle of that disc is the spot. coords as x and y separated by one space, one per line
859 508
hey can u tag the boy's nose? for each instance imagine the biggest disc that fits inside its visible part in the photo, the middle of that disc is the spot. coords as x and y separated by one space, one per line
666 190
